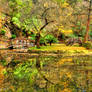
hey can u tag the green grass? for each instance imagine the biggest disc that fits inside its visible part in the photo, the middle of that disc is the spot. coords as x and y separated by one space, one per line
62 48
56 47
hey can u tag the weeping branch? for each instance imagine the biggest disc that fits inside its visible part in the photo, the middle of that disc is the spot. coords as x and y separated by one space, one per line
34 26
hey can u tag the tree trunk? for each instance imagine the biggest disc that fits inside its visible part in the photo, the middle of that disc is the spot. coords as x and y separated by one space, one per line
88 24
37 41
50 43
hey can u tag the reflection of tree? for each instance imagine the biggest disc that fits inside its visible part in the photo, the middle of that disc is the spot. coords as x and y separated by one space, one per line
87 80
66 77
50 77
39 70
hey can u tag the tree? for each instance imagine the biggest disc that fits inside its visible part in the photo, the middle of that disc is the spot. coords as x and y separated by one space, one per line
43 15
14 12
88 23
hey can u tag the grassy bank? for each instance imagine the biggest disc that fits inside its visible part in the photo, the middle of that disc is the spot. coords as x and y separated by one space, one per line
60 48
55 47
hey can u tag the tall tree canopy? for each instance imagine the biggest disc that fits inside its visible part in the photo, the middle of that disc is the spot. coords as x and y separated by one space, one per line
43 16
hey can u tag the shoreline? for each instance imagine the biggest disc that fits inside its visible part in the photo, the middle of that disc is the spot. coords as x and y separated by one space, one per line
57 53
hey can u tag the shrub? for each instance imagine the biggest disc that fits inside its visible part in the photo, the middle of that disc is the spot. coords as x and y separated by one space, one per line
88 45
2 32
79 30
51 39
13 36
62 36
32 37
72 36
42 41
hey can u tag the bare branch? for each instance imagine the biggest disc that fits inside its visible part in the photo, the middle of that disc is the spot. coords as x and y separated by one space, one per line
46 23
44 12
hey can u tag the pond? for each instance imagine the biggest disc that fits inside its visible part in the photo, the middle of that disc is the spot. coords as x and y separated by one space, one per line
45 74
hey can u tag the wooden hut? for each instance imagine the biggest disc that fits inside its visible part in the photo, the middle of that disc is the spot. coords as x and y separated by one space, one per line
22 42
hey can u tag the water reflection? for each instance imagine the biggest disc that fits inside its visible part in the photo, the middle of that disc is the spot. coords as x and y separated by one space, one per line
45 74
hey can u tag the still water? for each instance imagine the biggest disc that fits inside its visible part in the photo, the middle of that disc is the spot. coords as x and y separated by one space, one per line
45 73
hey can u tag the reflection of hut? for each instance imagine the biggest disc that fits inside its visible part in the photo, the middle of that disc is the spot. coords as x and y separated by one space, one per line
22 42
